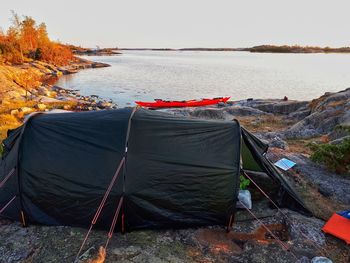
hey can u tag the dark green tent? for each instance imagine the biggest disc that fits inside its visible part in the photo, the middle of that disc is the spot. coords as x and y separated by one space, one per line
177 172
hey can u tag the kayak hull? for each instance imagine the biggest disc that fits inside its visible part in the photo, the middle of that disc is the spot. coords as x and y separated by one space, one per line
179 104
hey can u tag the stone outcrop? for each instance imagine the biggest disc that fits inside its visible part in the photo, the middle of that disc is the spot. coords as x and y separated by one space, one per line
326 112
274 106
309 119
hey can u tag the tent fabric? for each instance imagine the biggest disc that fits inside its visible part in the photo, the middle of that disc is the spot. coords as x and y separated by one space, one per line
178 172
287 195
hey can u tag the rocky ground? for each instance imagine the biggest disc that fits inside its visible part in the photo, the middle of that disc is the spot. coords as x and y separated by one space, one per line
286 125
28 87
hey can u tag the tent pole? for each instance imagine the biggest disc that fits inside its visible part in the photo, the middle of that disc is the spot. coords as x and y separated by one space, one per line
230 223
8 203
101 205
114 221
125 166
3 182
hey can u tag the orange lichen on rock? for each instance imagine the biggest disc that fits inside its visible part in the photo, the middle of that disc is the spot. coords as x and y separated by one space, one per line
100 257
217 241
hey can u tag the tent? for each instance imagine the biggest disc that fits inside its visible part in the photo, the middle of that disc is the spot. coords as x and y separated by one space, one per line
169 171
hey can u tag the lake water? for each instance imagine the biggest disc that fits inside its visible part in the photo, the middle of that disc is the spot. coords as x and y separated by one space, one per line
146 75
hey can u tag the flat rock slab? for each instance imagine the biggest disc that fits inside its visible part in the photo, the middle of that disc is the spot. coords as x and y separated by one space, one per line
248 242
329 184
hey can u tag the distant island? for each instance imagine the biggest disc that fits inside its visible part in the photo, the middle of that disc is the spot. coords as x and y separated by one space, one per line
82 51
296 49
257 49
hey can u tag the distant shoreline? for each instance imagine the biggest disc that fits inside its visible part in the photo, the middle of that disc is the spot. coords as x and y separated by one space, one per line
255 49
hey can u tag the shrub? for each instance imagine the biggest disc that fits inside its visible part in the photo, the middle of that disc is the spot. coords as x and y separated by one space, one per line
336 157
244 182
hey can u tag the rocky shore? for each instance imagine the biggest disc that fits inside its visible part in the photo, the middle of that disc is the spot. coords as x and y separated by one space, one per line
28 87
288 126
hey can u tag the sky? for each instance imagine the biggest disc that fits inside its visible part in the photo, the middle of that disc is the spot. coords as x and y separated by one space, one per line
188 23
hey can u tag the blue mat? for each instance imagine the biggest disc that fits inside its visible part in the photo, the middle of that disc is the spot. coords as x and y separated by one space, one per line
345 213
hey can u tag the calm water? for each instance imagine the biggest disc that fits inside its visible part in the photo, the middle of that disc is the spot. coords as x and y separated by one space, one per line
145 75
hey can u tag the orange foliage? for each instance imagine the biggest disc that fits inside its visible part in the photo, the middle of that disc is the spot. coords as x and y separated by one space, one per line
27 40
56 53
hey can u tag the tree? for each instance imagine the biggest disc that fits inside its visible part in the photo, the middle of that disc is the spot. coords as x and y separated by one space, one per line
25 39
16 29
29 34
43 37
28 80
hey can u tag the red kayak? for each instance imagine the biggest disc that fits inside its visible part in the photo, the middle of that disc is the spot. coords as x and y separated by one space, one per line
184 103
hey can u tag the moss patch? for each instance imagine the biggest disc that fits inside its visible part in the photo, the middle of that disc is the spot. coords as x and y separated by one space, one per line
336 157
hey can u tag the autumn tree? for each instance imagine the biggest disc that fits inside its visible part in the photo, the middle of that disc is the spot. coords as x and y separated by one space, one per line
26 40
29 34
15 32
28 80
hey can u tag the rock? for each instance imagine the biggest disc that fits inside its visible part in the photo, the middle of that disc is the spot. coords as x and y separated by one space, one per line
43 91
327 112
282 107
265 254
88 254
127 252
325 191
15 94
221 104
321 260
274 139
278 143
99 65
303 260
43 99
326 182
299 115
46 92
26 110
208 113
104 104
245 111
305 230
40 106
216 241
300 131
14 112
339 131
340 140
68 71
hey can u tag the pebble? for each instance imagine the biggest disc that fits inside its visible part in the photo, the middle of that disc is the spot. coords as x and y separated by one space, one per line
321 260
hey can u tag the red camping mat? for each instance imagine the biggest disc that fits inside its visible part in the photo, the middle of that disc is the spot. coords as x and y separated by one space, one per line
339 227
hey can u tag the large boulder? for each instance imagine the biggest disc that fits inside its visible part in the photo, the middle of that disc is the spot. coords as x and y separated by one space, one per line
245 111
327 112
282 107
300 114
26 110
40 106
208 113
273 139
